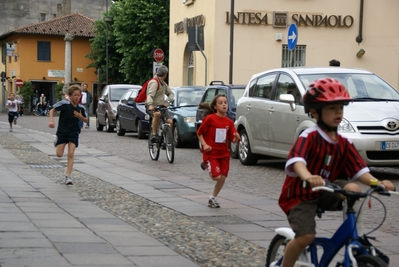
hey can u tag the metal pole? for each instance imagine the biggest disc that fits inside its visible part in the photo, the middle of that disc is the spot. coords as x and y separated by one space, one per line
203 54
231 41
106 44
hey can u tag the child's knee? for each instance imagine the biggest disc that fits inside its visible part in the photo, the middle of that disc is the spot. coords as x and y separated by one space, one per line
305 240
352 187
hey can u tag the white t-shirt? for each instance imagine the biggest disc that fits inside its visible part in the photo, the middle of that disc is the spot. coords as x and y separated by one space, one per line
12 105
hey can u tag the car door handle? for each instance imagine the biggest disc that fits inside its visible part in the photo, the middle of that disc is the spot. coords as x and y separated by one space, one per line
271 109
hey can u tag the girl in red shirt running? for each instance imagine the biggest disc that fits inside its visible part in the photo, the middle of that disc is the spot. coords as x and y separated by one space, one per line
215 131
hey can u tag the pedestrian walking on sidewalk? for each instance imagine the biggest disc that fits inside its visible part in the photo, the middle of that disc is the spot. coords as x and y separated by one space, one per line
214 133
13 109
85 99
68 129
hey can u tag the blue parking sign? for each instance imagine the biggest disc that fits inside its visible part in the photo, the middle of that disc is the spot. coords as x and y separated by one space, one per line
292 36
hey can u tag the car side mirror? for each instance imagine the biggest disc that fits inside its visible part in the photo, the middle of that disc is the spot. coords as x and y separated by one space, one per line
131 103
289 99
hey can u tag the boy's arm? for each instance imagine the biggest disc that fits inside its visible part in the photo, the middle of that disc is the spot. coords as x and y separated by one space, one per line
51 115
303 173
366 177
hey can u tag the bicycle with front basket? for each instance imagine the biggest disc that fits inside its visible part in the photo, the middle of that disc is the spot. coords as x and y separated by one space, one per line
355 254
165 138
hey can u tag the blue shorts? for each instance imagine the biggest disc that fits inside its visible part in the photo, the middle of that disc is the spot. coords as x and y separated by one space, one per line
65 139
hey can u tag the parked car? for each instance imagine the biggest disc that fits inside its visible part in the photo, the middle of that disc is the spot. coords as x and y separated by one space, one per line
233 93
270 115
132 116
107 103
183 113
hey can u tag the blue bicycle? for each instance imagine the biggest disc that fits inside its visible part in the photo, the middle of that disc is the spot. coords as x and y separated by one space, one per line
355 255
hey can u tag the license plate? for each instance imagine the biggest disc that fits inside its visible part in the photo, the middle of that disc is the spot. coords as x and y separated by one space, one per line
390 145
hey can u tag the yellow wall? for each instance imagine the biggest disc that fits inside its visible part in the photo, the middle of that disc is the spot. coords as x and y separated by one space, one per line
256 48
28 68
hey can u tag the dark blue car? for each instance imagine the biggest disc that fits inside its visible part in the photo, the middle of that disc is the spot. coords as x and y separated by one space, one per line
183 112
131 116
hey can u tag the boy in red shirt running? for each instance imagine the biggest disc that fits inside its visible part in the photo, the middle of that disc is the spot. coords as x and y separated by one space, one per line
319 154
215 131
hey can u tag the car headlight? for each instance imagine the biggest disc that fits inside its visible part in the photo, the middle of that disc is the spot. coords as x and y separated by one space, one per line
114 110
345 127
189 119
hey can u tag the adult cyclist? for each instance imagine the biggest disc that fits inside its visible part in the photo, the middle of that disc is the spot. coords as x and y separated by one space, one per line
156 91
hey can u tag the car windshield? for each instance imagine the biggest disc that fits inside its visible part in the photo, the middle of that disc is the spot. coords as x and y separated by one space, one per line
189 97
361 87
236 93
116 93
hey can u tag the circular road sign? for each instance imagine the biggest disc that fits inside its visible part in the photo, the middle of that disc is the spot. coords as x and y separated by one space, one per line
19 82
158 55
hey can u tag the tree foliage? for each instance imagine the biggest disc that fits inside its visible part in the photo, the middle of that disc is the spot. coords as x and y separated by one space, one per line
137 28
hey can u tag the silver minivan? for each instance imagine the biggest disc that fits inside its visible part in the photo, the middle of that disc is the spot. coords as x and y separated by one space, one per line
270 114
107 104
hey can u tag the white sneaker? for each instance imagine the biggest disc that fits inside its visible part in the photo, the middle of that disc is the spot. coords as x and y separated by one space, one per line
68 180
10 129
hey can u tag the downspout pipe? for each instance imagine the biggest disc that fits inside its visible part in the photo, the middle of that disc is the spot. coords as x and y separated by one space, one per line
359 38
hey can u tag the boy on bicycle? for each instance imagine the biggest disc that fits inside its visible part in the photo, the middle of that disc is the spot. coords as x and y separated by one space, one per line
156 91
319 154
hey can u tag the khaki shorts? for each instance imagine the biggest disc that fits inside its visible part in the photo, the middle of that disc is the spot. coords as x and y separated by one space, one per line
302 216
151 113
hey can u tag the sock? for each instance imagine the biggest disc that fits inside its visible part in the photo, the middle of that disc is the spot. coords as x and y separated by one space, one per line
211 197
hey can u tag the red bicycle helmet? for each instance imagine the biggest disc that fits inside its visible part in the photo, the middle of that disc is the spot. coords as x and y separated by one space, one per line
323 92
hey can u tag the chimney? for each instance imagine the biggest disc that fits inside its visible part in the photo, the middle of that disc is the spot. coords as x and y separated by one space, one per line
59 10
67 7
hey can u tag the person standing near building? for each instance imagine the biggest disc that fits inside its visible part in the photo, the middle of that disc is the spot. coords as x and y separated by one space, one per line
86 99
68 129
13 109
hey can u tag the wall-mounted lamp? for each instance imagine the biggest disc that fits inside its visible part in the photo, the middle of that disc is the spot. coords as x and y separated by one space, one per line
8 78
75 79
13 77
360 53
44 78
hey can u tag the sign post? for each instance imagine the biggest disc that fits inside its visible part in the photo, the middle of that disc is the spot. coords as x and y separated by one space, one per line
292 40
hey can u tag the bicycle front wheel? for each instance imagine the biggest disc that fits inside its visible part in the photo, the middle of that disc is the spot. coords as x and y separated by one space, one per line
368 260
153 148
276 250
168 140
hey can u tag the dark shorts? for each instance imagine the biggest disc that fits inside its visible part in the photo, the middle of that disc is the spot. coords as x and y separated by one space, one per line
302 216
12 115
65 139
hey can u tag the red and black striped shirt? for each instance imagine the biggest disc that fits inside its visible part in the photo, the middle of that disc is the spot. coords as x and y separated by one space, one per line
322 156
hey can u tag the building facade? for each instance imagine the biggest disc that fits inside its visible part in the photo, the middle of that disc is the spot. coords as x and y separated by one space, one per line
37 53
357 33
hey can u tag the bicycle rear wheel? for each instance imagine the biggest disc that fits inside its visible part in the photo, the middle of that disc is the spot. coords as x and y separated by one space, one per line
168 140
276 250
368 260
153 148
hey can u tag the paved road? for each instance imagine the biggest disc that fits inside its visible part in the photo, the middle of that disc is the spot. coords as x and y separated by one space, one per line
263 180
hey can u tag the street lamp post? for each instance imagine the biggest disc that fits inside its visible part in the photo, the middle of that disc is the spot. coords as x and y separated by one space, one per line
106 19
231 42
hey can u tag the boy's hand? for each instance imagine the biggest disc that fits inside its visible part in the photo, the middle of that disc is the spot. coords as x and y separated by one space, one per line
77 114
237 138
315 180
206 148
388 185
51 124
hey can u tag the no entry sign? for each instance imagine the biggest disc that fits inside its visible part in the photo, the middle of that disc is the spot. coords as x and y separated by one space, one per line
19 82
158 55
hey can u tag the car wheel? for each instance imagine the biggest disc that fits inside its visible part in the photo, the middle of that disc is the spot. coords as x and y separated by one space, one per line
244 150
108 127
119 130
176 136
99 126
234 150
140 132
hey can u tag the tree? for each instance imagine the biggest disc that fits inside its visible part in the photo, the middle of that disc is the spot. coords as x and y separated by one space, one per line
137 28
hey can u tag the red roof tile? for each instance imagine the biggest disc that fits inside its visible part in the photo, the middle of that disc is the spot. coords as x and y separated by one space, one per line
76 24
